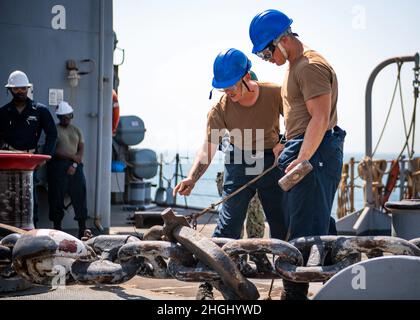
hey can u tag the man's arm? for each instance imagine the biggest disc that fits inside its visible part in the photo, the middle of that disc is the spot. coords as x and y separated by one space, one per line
78 157
2 127
199 167
278 148
50 130
319 108
202 160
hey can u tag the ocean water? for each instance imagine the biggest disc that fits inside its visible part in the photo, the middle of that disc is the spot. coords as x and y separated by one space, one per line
205 191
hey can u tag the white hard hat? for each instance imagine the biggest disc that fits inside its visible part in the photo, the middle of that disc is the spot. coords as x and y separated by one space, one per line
63 108
18 79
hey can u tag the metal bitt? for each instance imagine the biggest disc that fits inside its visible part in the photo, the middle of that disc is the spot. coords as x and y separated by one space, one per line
16 186
368 115
210 254
384 278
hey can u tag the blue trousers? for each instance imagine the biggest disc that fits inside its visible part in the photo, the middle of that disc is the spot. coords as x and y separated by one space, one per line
59 184
232 213
309 203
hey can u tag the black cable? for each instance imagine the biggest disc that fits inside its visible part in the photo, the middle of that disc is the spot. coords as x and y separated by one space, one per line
404 120
390 109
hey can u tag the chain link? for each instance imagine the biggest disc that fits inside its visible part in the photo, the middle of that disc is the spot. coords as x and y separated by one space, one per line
310 259
116 259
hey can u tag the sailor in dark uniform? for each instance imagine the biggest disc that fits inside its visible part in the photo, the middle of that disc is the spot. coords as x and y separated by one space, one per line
22 122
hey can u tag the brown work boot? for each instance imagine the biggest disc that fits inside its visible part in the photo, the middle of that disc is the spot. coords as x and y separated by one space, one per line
294 291
205 292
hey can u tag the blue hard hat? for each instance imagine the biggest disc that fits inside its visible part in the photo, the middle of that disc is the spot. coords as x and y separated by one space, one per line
266 27
229 67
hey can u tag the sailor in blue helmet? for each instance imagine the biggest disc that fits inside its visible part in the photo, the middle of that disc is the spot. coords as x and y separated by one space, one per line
309 94
249 111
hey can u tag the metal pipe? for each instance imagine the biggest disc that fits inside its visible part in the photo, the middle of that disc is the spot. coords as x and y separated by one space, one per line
176 173
402 177
97 217
368 115
351 185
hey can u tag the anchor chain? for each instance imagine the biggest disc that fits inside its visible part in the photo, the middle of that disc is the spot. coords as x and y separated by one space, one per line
189 257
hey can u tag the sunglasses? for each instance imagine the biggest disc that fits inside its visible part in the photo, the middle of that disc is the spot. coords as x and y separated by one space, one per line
19 89
66 116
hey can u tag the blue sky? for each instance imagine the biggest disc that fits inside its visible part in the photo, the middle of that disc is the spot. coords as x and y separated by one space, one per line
171 45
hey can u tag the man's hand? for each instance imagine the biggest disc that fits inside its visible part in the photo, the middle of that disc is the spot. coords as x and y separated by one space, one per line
278 148
294 163
199 167
71 170
77 158
185 187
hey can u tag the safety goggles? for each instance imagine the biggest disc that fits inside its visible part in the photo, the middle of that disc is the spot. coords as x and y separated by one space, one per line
268 52
233 88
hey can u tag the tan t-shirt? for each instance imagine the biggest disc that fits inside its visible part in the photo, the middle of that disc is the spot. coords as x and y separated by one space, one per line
264 114
68 139
309 77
